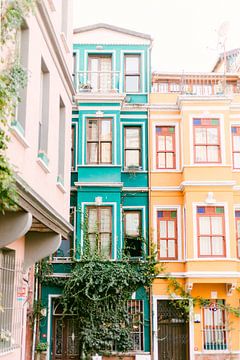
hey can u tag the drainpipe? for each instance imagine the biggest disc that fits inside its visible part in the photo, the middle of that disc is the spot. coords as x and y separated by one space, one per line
35 319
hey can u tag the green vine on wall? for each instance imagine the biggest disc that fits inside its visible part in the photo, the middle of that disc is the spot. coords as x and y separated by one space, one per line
12 78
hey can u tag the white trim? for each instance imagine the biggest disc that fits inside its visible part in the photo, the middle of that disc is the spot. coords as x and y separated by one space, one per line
75 125
166 188
227 235
142 75
202 274
204 108
102 184
137 189
133 116
99 108
207 183
155 299
142 124
143 210
222 138
178 208
154 145
61 187
114 136
114 239
233 123
234 116
42 164
20 137
164 117
49 316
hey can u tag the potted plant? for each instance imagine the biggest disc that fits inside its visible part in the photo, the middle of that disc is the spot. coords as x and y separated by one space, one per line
85 87
41 350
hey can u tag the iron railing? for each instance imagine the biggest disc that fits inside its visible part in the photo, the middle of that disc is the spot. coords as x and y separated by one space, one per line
97 81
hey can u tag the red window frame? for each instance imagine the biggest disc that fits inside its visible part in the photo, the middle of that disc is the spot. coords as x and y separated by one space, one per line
167 215
211 211
235 130
206 124
237 219
166 131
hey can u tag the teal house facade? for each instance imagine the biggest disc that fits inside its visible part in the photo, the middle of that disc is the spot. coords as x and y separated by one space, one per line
109 167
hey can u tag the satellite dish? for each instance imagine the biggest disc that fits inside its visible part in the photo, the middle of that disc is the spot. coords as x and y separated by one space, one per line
223 29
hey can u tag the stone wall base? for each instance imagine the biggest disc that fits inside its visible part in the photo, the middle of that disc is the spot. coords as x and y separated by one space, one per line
217 357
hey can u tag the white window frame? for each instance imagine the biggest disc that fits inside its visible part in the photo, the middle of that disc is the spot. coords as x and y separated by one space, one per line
75 125
179 210
220 117
232 124
195 234
177 145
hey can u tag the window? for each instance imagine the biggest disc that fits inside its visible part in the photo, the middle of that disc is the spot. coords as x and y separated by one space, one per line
214 327
211 231
61 140
236 146
237 219
166 153
132 147
99 141
206 141
44 109
100 72
100 229
132 233
135 311
12 298
132 73
167 234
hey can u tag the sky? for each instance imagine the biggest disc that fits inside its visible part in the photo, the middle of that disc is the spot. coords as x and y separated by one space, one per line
185 32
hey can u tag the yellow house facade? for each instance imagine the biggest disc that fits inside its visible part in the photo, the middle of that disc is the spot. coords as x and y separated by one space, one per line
194 142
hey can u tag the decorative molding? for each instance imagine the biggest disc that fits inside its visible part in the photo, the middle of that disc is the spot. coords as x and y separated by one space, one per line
207 183
101 184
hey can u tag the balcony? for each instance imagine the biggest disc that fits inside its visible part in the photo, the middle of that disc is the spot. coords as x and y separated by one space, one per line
97 81
196 84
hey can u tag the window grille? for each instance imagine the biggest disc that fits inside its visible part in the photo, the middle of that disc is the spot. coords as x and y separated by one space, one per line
12 296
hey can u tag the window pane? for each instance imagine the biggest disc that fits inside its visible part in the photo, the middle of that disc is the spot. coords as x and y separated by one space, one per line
217 245
204 225
238 245
163 248
93 77
236 143
93 130
200 135
169 160
171 229
161 161
212 153
132 138
132 224
132 158
106 153
236 160
238 228
132 64
92 220
132 83
212 136
105 220
106 130
171 248
216 225
169 143
205 247
201 153
163 229
105 244
93 153
161 142
92 242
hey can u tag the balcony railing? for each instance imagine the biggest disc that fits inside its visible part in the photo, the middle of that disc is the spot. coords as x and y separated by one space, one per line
97 81
196 84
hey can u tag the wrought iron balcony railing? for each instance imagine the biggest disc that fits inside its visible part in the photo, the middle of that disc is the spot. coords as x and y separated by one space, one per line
97 81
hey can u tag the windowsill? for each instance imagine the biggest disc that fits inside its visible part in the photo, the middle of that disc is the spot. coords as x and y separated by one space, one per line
17 130
60 184
134 171
57 260
43 161
99 165
166 170
207 165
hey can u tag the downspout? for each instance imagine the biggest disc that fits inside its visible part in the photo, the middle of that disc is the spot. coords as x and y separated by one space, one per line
36 285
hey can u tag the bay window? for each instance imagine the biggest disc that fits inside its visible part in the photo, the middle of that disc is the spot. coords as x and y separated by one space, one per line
132 73
235 130
165 147
132 147
132 233
167 234
100 229
211 231
207 148
99 141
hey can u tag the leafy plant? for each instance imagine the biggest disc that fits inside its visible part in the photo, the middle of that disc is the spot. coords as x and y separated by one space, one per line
42 346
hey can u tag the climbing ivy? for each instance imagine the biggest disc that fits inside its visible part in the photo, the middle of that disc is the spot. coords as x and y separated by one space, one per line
12 78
